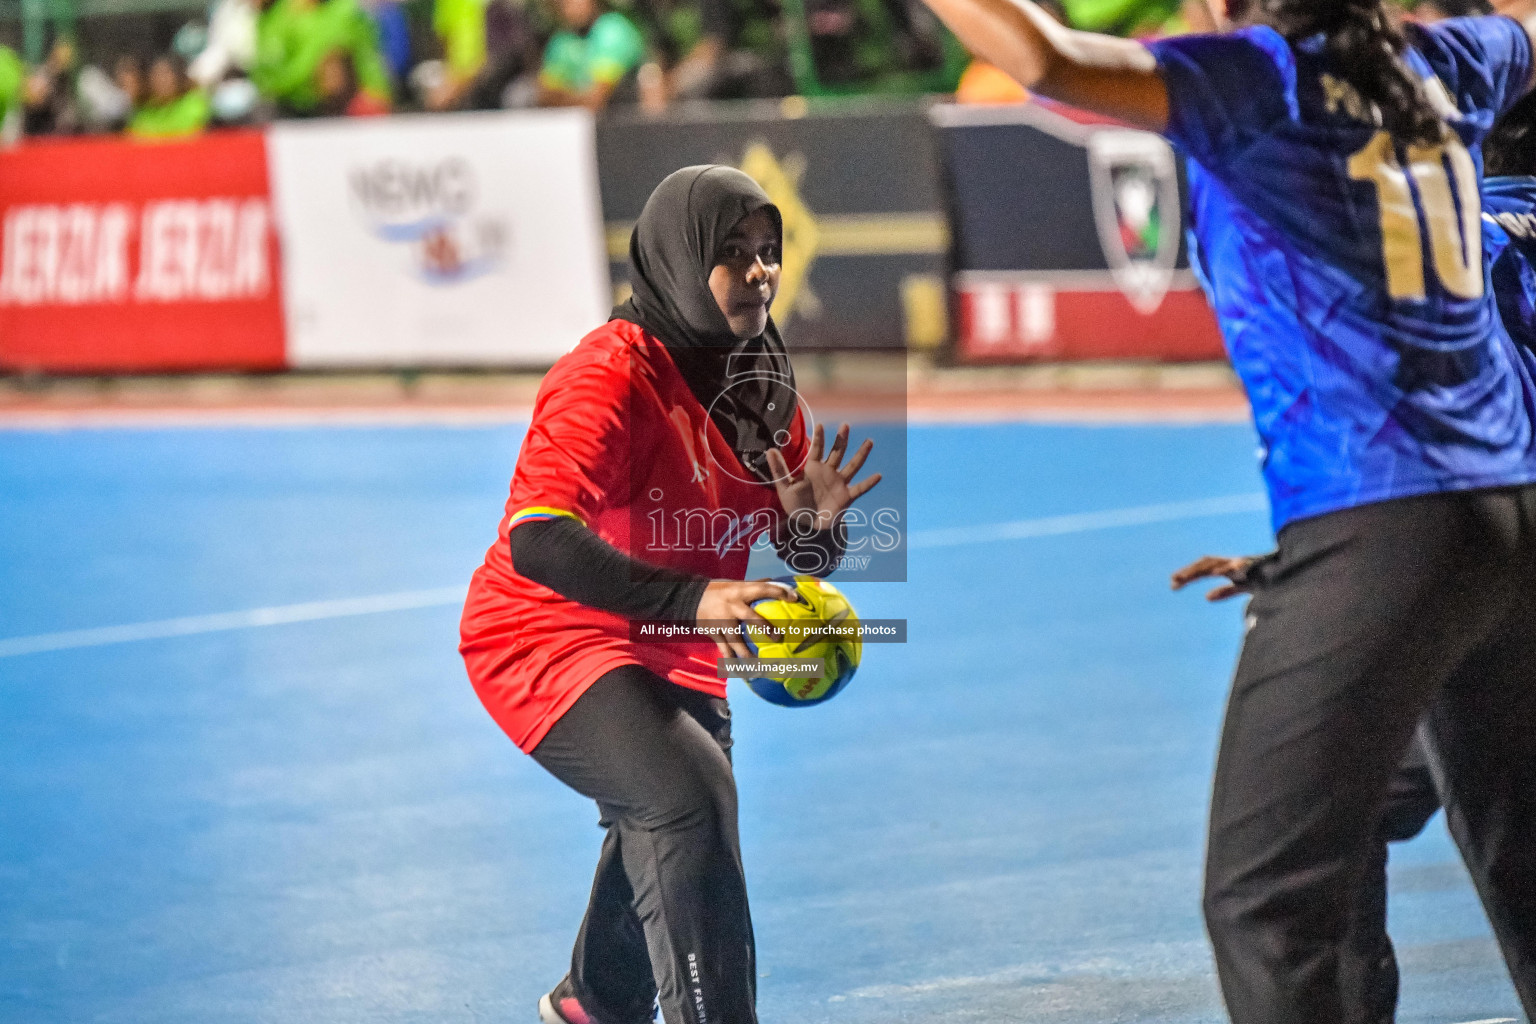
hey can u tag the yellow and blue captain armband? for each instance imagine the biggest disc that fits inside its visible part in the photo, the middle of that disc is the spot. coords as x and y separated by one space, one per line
534 513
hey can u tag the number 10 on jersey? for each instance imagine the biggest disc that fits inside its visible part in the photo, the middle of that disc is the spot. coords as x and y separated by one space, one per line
1456 243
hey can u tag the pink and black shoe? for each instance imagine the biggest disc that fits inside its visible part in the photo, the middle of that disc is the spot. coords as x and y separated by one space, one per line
561 1006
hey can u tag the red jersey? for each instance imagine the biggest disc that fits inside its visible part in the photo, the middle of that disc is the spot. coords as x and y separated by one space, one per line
619 442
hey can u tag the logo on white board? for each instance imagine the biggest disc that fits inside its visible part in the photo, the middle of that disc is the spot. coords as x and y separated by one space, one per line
431 209
1136 209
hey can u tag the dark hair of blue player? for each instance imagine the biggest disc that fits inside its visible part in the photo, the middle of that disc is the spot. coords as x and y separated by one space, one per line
1365 45
1511 146
1457 8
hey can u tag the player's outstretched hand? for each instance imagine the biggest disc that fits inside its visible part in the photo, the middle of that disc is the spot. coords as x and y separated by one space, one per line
1235 570
727 604
825 486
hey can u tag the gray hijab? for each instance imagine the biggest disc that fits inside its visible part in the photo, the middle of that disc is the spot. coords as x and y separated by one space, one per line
748 386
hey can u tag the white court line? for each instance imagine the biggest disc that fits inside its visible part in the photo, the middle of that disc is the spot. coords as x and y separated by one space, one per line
191 625
311 611
1131 415
1084 522
1492 1020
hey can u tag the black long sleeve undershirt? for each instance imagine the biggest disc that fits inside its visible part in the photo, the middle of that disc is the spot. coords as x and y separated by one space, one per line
580 566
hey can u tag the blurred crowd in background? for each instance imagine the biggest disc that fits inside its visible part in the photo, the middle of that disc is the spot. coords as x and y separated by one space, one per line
248 61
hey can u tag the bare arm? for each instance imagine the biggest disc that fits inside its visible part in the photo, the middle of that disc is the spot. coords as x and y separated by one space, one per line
1523 11
1197 15
1115 77
594 98
1527 19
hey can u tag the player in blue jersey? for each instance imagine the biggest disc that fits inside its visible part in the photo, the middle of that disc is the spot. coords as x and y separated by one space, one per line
1509 200
1369 973
1333 162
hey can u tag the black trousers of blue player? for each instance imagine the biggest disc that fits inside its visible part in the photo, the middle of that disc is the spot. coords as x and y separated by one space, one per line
1368 974
1372 619
668 914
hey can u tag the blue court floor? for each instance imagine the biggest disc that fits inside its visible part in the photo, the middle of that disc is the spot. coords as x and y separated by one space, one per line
243 777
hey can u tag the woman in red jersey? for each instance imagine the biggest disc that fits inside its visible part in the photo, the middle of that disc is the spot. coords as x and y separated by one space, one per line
661 448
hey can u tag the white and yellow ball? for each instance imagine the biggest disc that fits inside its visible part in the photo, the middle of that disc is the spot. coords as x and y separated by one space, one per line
821 625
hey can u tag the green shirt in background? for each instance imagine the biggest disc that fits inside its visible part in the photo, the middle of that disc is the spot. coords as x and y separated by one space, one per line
675 27
1120 17
611 49
294 36
460 24
184 116
12 74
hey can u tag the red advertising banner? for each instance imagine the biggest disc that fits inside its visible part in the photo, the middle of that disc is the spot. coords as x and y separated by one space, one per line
118 255
1014 317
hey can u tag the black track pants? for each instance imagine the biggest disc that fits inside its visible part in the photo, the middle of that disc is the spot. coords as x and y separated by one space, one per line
1368 964
668 913
1372 619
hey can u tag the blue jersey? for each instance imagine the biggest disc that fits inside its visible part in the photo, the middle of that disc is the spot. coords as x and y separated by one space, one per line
1511 204
1346 269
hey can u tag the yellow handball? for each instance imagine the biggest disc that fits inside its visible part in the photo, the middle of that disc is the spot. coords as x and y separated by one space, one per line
821 628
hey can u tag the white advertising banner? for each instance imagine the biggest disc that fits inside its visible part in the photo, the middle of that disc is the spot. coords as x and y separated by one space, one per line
441 240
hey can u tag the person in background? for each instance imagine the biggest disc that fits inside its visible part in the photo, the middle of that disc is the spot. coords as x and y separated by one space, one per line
293 37
712 49
867 46
48 102
589 57
460 27
107 101
852 44
514 41
491 55
221 56
1509 198
339 94
1139 18
128 76
12 74
691 42
230 42
393 25
174 107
